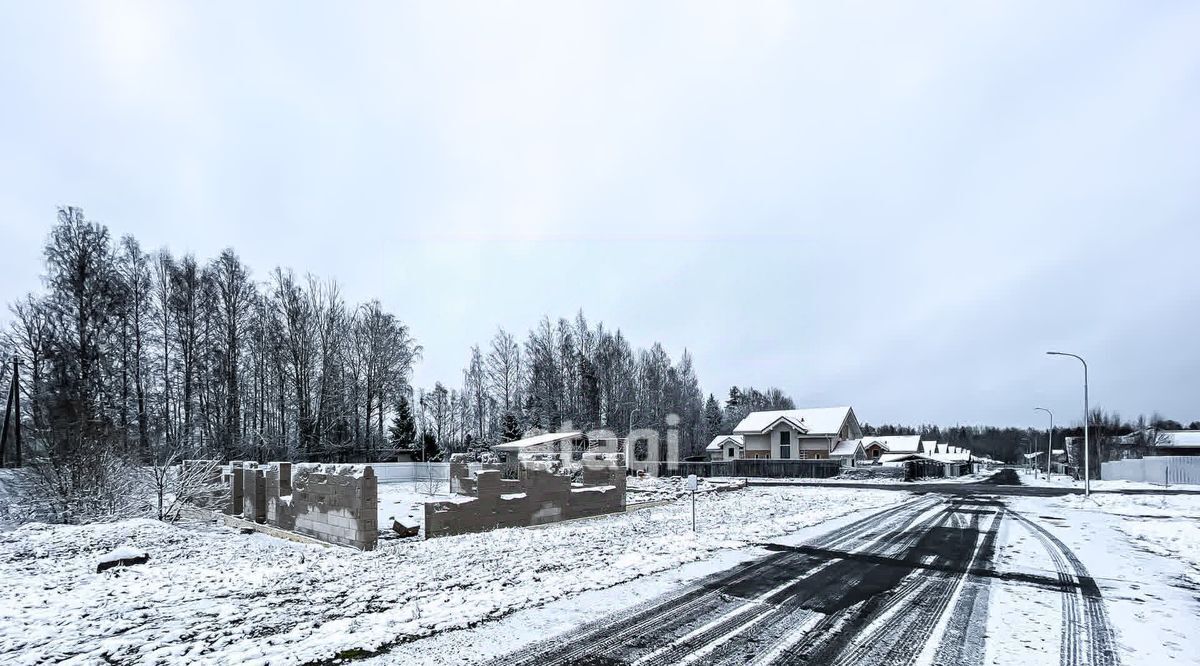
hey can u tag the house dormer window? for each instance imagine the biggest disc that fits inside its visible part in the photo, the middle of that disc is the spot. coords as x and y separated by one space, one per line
785 444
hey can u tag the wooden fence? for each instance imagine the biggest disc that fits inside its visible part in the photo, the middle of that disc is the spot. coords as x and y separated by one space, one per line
770 469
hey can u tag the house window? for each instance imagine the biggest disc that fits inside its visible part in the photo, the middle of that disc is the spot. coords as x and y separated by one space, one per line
731 452
785 444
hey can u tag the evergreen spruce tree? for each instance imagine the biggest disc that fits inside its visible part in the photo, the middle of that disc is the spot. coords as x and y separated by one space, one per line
712 416
403 429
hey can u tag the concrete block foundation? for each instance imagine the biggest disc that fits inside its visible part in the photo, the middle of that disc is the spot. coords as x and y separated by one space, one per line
540 496
333 503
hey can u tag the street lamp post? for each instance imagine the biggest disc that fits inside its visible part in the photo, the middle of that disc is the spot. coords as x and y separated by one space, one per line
1050 440
1087 469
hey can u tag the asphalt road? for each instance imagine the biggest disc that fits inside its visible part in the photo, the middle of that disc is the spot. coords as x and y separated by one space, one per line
908 582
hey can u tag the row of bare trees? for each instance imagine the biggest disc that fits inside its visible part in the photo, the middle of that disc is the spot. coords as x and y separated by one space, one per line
564 371
135 353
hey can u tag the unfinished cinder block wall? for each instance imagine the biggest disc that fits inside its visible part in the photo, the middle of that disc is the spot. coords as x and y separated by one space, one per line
337 503
235 488
278 481
540 496
254 493
334 503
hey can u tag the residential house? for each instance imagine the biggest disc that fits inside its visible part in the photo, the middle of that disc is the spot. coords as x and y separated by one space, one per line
875 447
850 452
1177 443
546 446
799 434
726 447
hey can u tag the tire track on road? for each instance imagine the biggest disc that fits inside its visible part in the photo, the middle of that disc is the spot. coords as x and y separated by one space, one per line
963 641
839 629
894 629
774 608
1101 649
811 594
903 640
666 615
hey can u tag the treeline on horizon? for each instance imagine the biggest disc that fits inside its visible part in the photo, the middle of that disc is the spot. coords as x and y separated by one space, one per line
1009 444
133 352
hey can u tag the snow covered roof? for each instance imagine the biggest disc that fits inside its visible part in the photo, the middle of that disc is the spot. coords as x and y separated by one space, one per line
846 448
930 446
900 457
1178 439
539 440
896 443
813 421
719 441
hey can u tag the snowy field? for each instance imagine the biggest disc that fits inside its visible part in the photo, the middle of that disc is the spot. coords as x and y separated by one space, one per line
213 595
1144 552
1166 525
655 489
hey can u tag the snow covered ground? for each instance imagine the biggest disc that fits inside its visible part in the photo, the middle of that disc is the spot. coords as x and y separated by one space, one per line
1143 552
1166 525
654 489
213 595
405 500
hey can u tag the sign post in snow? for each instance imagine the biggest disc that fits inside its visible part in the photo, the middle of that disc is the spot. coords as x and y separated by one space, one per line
691 484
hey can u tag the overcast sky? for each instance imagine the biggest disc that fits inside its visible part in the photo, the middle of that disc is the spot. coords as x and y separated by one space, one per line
894 206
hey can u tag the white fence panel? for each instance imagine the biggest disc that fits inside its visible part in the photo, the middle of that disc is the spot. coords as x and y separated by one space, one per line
1165 470
411 471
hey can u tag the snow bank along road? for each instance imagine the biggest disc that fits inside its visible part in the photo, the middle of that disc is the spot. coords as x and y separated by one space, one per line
908 584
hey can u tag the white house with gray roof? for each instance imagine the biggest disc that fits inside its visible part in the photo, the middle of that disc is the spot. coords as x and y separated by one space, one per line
726 447
876 447
800 434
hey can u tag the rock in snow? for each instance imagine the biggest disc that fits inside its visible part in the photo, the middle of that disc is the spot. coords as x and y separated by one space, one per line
406 527
122 557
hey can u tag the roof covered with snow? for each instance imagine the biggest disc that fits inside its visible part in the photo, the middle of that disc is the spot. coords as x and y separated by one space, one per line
813 421
539 440
1178 439
846 448
900 457
719 441
896 443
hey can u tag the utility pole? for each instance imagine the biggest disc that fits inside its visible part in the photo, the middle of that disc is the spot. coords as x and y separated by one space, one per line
1050 440
1087 467
4 431
17 407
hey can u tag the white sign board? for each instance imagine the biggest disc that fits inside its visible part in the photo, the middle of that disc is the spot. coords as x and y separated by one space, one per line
692 484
